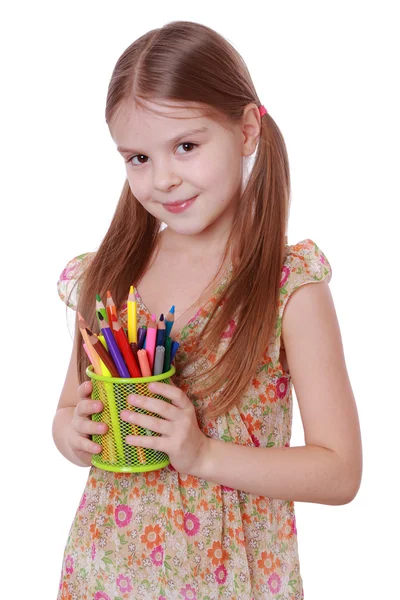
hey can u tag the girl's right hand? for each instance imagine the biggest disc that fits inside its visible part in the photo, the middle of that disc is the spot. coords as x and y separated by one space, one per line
82 426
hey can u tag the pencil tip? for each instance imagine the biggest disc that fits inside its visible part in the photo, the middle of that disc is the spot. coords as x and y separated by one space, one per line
108 294
98 298
172 309
88 331
162 317
100 316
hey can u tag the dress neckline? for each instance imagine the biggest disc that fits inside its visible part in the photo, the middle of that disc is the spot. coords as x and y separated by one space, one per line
221 283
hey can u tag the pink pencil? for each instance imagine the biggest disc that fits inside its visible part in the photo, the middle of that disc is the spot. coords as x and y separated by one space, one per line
151 338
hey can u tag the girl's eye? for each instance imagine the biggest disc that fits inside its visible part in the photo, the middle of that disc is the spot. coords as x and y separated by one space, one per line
143 155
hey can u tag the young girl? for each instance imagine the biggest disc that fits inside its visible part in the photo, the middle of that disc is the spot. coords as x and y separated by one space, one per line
219 521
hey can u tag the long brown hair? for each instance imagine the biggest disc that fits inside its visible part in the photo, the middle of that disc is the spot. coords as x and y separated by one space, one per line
184 62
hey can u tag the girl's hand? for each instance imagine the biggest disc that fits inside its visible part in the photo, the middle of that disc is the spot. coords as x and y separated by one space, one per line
181 438
82 426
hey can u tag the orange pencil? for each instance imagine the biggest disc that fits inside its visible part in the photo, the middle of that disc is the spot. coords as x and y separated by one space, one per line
94 357
146 372
123 345
111 308
144 363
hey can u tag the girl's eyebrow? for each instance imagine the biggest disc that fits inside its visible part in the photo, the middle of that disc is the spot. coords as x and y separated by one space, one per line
173 141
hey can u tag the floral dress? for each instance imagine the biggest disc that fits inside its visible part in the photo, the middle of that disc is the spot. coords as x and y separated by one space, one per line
164 535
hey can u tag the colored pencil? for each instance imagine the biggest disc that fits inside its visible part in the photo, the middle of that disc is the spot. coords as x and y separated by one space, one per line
112 404
102 353
100 307
93 356
111 308
151 338
123 345
161 331
101 339
169 320
144 363
159 360
132 318
167 355
174 349
135 429
141 337
107 439
113 348
134 348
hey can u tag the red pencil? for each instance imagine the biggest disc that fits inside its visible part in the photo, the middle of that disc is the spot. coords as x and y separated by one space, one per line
123 345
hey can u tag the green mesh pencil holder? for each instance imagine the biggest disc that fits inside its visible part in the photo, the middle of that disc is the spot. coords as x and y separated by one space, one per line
116 455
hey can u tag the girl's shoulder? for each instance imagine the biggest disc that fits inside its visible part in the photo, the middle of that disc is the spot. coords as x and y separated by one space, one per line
68 284
304 262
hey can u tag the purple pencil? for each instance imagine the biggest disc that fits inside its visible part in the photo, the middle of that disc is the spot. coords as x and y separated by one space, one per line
113 347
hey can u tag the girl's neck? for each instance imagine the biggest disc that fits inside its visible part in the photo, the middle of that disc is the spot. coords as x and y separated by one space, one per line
188 249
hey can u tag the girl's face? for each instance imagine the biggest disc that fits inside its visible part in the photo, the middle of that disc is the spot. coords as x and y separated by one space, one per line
166 164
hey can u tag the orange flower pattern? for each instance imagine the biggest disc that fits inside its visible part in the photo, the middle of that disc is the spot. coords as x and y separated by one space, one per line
163 535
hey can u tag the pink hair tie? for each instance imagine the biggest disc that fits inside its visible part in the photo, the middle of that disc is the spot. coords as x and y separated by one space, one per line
263 110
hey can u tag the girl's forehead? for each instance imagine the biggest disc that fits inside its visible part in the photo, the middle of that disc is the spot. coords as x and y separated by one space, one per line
166 107
159 117
134 127
130 112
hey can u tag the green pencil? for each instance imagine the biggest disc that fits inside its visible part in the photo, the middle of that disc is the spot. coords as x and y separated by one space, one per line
100 307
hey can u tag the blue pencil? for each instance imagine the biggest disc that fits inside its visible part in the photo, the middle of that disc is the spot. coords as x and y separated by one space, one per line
174 349
161 332
169 321
141 337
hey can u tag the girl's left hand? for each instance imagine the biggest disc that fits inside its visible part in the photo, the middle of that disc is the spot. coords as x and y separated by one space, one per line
181 438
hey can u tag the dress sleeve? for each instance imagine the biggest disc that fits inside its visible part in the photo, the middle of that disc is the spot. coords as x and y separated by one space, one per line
304 263
68 286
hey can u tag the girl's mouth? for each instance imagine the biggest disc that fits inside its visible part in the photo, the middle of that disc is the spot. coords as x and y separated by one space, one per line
177 208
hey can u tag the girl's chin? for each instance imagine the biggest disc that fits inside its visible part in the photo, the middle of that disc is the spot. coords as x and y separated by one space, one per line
185 229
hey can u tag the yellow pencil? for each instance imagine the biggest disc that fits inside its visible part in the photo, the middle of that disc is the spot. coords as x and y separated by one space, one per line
132 319
112 406
135 429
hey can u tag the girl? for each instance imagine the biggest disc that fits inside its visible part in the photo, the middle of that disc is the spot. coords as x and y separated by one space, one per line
219 521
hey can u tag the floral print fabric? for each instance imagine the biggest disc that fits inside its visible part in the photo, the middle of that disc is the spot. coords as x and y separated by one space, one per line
163 535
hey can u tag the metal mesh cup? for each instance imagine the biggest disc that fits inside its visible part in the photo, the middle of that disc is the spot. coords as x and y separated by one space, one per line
116 455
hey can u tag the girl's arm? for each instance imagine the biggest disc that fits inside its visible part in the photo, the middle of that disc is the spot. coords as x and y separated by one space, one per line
328 469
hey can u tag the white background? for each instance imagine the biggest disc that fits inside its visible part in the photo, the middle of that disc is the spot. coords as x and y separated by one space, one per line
328 74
